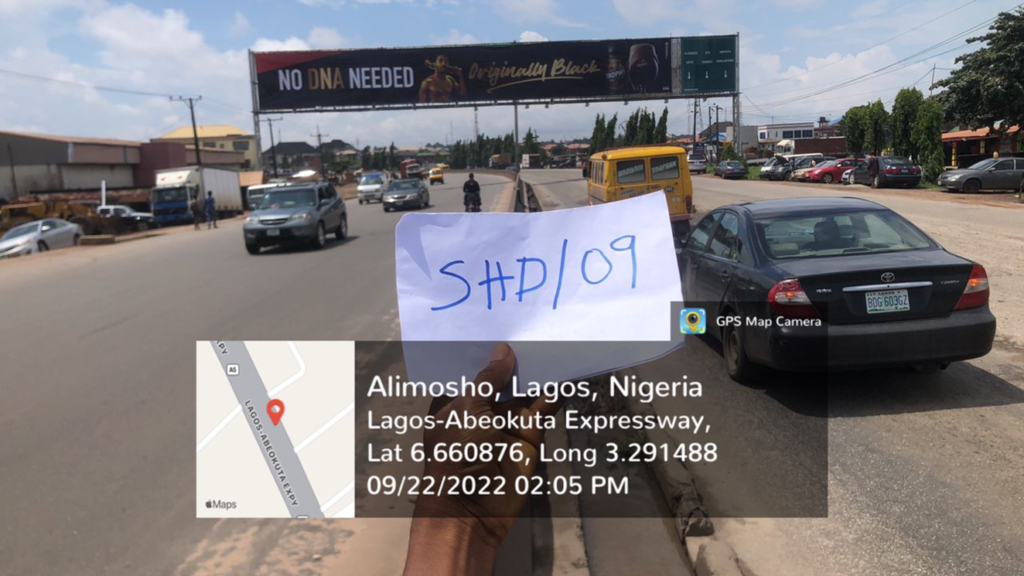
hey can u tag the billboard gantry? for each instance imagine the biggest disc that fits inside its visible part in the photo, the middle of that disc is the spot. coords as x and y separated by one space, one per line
471 75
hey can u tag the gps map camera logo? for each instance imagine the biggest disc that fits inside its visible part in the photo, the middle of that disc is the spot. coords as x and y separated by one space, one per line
692 321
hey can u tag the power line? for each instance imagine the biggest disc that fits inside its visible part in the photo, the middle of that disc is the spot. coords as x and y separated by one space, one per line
33 77
904 33
898 65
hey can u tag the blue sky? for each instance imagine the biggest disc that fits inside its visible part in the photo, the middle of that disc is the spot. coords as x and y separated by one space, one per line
789 50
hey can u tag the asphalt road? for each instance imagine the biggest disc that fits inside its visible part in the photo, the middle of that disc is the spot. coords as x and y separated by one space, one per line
924 471
98 425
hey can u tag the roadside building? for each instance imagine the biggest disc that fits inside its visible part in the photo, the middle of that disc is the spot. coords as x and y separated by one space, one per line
45 163
770 134
215 139
292 157
965 147
40 162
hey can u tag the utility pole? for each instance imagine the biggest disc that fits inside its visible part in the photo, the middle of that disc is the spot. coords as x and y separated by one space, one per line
932 85
273 151
195 132
320 150
476 123
695 104
195 140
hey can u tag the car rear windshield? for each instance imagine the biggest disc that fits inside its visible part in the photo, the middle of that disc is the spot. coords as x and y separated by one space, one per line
734 164
403 185
896 161
370 180
21 231
288 199
839 234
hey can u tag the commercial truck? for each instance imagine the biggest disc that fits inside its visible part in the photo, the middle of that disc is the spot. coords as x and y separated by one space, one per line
530 161
500 161
410 169
177 187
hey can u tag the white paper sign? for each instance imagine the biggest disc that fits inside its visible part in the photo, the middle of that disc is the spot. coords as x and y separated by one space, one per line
602 273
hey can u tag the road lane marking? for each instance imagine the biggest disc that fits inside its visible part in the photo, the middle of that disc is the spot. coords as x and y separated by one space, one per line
337 417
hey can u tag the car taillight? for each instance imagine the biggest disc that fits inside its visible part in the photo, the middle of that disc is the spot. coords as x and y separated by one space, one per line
892 170
976 292
689 204
915 170
788 299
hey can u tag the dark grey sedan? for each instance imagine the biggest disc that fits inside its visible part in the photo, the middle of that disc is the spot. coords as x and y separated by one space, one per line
832 283
730 169
297 214
990 174
408 193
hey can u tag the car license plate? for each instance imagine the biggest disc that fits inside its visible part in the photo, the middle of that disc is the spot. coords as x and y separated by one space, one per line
903 171
273 232
887 301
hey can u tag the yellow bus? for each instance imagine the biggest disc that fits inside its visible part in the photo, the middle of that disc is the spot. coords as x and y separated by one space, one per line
623 173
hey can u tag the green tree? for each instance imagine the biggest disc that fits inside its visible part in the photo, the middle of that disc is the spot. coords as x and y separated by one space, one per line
631 131
530 145
927 136
391 161
854 129
876 127
661 132
987 87
904 116
597 136
608 140
366 158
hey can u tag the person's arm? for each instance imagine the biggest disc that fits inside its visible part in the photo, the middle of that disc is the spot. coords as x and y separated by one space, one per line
460 533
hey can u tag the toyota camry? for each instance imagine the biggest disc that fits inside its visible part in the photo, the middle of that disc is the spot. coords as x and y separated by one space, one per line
832 283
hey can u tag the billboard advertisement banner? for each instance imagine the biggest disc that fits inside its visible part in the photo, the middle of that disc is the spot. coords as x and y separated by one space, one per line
468 75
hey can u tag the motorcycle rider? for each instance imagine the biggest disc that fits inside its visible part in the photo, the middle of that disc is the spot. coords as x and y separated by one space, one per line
471 194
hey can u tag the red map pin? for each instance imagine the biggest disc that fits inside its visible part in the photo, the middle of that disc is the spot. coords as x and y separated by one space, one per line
275 409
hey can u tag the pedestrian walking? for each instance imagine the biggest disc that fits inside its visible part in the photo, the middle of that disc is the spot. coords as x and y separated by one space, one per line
197 211
211 211
873 170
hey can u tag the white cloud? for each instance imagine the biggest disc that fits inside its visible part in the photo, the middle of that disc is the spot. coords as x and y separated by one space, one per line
327 38
271 45
531 36
455 37
239 25
530 11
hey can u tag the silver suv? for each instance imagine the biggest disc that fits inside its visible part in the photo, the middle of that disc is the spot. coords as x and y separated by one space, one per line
296 214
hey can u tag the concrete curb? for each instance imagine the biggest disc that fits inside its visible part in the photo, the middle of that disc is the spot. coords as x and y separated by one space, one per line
104 239
694 528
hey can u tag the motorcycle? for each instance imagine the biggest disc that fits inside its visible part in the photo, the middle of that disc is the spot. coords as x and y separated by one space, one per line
472 202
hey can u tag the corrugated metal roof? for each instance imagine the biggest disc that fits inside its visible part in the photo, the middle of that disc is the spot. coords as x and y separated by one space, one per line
74 139
973 134
207 131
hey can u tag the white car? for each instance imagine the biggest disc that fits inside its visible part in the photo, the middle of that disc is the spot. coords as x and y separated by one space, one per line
697 165
39 236
845 178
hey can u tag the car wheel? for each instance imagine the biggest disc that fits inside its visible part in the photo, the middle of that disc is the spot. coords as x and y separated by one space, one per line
360 201
972 186
42 247
876 182
142 226
788 177
342 232
738 366
76 239
386 209
442 181
827 178
320 240
252 248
